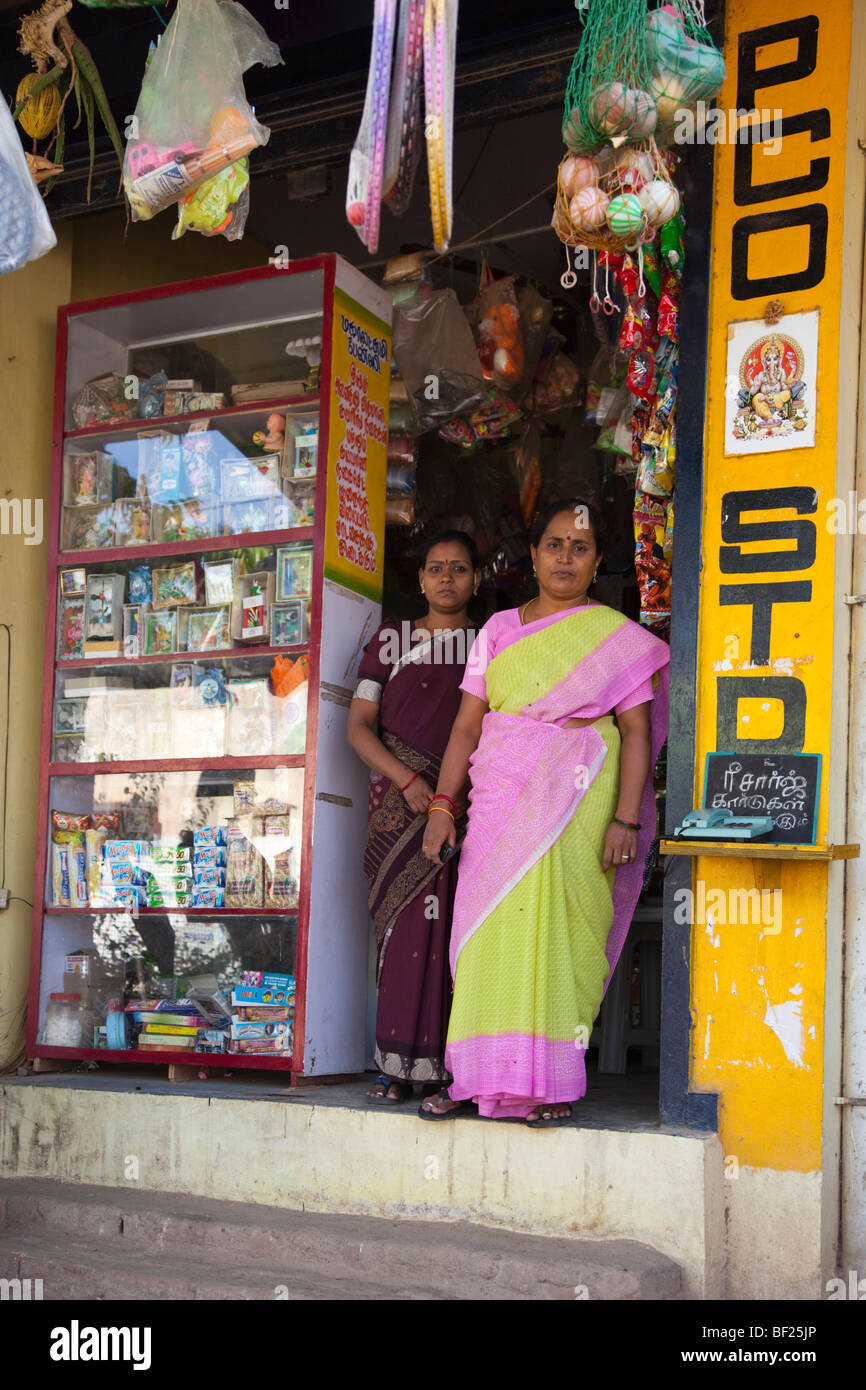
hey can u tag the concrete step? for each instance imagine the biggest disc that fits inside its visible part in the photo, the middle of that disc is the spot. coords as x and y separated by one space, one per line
90 1242
102 1270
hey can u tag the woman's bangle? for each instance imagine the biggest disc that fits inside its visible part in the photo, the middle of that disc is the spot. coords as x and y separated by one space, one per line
626 824
444 809
441 796
411 780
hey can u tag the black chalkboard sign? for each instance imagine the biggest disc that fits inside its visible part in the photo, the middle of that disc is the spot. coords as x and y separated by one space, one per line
781 785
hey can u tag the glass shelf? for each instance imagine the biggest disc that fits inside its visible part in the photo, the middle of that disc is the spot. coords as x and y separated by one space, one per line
154 483
284 404
207 838
219 603
208 707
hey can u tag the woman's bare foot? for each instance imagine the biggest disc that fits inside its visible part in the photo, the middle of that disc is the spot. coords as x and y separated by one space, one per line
550 1112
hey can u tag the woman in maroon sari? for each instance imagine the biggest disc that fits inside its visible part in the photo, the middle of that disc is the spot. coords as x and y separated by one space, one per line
406 700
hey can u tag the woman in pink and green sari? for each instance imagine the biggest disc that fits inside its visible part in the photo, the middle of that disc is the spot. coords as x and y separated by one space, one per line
563 714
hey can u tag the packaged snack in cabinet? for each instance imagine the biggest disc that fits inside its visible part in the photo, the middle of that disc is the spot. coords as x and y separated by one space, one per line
209 857
244 868
281 884
208 835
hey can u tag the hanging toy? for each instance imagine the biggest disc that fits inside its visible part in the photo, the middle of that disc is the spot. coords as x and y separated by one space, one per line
217 207
622 111
589 207
660 201
577 172
625 215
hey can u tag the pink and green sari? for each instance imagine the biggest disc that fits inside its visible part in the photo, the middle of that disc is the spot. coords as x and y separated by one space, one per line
537 926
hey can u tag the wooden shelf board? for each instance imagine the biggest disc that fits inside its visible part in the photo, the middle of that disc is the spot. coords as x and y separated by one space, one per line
51 911
86 663
751 849
226 412
230 764
204 545
226 1061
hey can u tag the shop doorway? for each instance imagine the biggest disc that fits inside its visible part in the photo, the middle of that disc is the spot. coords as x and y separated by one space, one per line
571 438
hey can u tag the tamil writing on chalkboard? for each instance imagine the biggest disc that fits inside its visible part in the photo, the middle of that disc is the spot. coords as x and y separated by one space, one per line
784 786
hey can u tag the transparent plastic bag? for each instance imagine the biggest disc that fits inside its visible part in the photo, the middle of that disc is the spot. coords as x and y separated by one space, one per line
499 334
192 119
435 355
25 231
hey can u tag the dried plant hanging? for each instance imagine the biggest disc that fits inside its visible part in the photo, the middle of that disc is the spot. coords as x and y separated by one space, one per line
46 37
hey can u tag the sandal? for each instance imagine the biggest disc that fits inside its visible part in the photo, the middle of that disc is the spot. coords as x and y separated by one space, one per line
405 1091
551 1122
446 1114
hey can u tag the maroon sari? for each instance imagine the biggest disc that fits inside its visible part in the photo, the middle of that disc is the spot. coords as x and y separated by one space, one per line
411 899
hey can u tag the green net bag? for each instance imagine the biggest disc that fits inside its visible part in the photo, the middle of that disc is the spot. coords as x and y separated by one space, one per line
686 67
607 97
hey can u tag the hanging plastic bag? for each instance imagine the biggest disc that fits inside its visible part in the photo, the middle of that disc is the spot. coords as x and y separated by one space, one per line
25 230
192 120
435 355
498 331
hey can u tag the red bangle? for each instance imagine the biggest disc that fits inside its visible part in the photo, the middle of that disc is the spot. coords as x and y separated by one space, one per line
411 780
441 796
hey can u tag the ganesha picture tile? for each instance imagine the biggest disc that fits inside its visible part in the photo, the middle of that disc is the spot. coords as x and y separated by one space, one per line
771 393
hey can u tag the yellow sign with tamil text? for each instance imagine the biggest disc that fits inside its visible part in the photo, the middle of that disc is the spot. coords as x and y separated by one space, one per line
766 624
357 447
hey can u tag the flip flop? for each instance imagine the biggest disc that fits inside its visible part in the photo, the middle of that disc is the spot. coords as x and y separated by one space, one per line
553 1123
446 1114
385 1098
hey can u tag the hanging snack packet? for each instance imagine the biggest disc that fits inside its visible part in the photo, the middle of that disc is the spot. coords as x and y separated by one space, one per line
192 120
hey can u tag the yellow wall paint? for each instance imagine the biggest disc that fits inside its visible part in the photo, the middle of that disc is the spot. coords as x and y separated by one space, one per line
90 260
104 263
28 309
745 980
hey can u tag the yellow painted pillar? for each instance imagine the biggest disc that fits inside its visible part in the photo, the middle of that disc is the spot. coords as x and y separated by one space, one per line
772 640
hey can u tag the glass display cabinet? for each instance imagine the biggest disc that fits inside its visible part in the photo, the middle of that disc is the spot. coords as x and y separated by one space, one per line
215 568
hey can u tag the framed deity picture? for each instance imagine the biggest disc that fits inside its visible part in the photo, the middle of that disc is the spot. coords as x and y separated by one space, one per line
105 607
219 581
72 582
294 571
70 716
174 585
288 623
306 452
265 475
208 629
239 518
70 628
160 632
132 630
